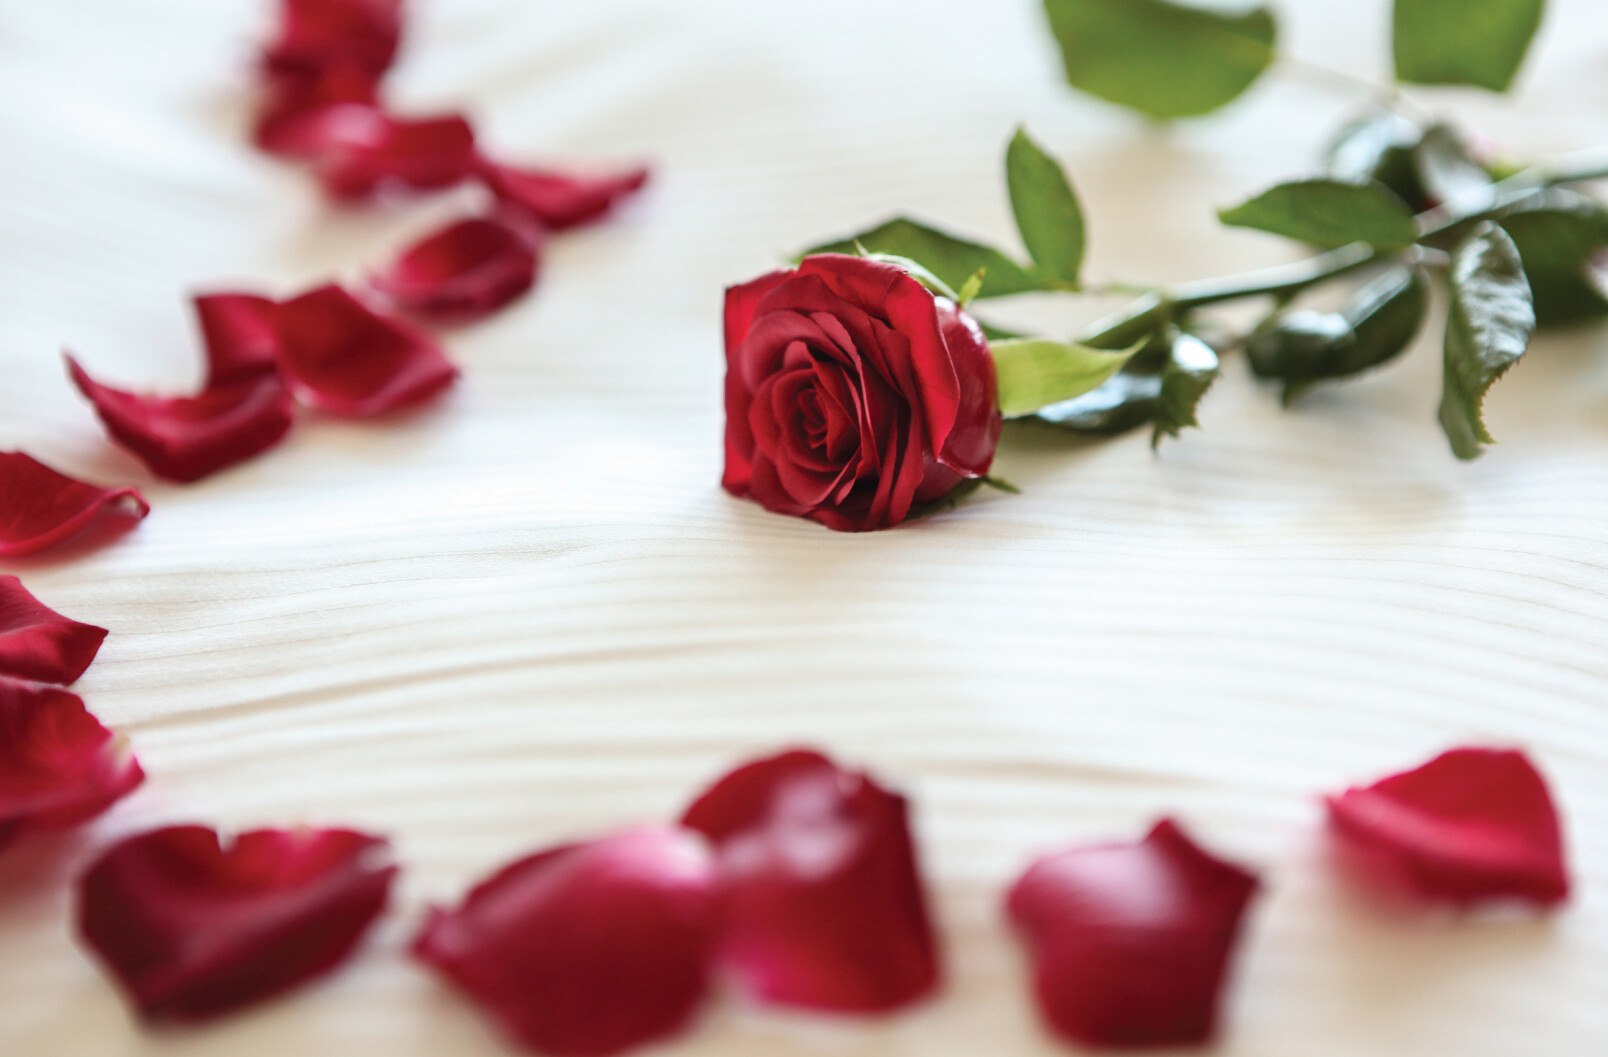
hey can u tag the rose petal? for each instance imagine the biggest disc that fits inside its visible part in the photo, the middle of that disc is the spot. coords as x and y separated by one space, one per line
40 644
585 949
425 154
189 437
193 930
1130 941
40 507
317 33
240 336
306 113
463 272
341 357
822 905
1472 824
560 200
58 766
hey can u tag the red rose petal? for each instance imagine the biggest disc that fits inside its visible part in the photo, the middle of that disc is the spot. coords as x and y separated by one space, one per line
58 766
426 154
194 930
822 905
186 438
1130 941
40 507
1472 824
463 272
341 357
585 949
40 644
560 200
316 33
306 113
240 336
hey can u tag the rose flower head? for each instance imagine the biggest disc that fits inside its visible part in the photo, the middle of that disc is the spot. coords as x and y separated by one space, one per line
853 393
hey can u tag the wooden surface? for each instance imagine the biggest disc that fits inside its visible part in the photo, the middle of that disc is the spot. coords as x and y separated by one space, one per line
529 614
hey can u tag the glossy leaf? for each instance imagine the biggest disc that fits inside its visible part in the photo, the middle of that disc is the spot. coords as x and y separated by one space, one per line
1035 373
1047 210
1488 327
1163 59
1190 371
1448 171
1477 42
1561 236
953 260
1379 146
1327 211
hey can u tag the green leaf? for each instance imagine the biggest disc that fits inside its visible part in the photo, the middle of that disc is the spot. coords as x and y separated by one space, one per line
1560 234
1379 146
1190 371
1448 172
1478 42
1330 212
1488 327
1164 59
1046 208
953 260
1035 373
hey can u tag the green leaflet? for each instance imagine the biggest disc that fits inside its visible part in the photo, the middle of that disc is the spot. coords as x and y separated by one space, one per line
1330 212
1558 233
1190 371
1047 211
1448 173
1035 373
1379 146
1162 384
953 260
1488 327
1160 58
1478 42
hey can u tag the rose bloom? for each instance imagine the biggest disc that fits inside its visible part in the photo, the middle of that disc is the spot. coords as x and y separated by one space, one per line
853 394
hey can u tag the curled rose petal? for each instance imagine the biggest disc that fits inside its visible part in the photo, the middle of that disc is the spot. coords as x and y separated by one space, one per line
462 272
341 357
40 644
821 902
58 766
318 33
193 929
585 949
307 112
560 200
40 507
187 438
1472 824
1130 941
426 154
240 336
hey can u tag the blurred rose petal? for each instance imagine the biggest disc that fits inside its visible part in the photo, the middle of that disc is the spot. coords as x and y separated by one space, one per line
305 113
1472 824
424 154
40 507
193 930
585 949
822 903
1130 941
240 336
40 644
318 33
463 272
560 200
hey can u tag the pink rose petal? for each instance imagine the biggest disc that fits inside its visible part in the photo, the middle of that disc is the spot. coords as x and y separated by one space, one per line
463 272
40 507
1130 941
190 437
1472 824
58 766
560 200
193 930
585 949
40 644
822 902
340 356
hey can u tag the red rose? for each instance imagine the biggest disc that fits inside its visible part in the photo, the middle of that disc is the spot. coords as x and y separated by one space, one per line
853 393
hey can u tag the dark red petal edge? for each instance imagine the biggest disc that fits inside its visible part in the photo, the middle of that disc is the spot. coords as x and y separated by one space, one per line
40 507
586 949
58 766
190 437
462 272
1473 824
560 200
40 644
822 904
1130 942
420 154
193 930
